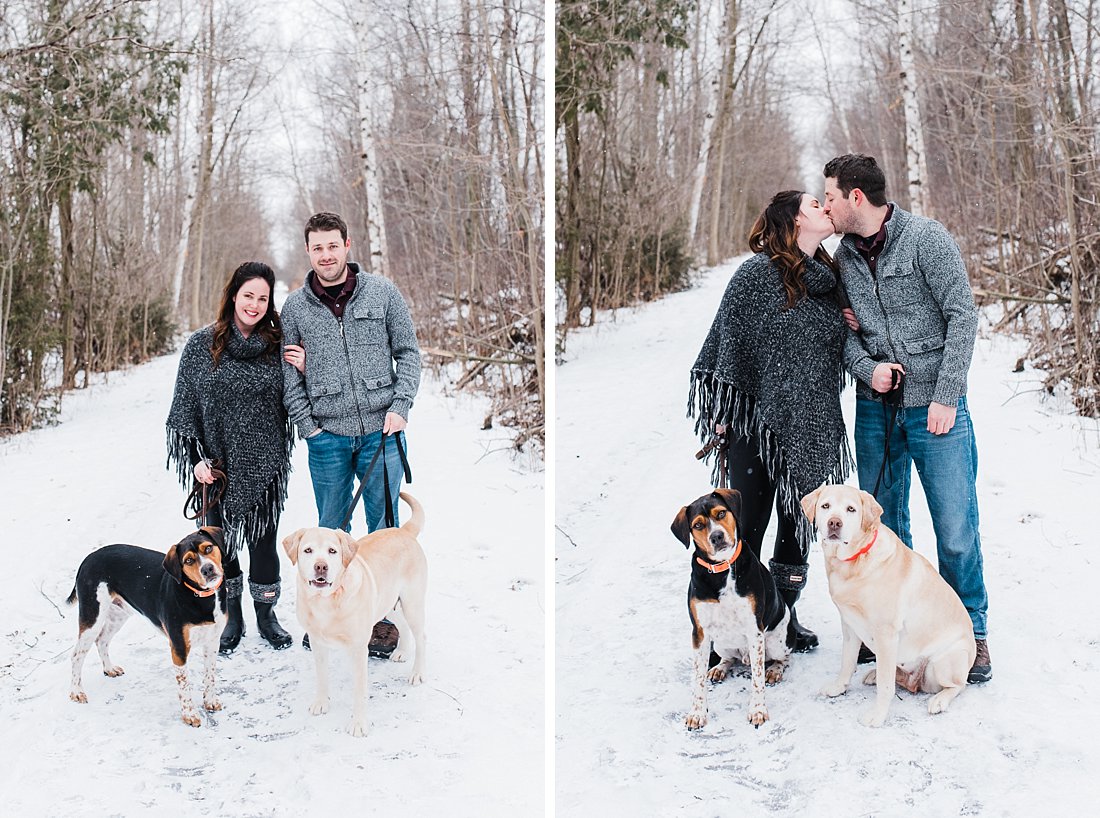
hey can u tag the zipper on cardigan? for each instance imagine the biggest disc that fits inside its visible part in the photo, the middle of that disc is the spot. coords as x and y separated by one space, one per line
351 377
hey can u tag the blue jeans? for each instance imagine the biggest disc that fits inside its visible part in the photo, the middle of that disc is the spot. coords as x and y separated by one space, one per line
337 464
948 469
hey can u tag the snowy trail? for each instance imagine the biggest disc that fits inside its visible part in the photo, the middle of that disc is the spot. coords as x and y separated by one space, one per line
469 742
1024 743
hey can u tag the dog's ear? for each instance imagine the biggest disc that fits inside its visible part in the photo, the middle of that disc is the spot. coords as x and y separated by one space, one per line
290 545
872 511
172 563
731 499
348 547
809 503
681 527
216 535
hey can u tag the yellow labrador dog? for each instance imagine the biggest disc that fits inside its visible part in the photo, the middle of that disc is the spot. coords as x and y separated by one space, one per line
346 586
893 600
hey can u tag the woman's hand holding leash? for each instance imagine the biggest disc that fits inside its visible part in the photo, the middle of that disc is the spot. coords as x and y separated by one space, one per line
203 473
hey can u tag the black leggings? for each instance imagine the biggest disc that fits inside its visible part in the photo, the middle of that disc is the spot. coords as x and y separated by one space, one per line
748 475
263 558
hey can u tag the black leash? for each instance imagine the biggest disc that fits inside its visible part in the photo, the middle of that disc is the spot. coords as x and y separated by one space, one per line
891 405
390 522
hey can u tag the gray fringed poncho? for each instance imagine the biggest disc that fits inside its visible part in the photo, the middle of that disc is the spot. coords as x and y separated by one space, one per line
234 413
776 374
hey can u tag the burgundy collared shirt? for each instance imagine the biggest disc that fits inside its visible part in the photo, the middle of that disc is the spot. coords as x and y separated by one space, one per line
870 247
332 298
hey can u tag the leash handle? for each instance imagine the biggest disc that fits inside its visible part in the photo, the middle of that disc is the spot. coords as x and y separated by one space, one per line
385 478
202 499
891 405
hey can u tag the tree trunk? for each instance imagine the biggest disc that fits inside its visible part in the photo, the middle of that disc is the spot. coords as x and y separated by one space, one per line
376 257
914 129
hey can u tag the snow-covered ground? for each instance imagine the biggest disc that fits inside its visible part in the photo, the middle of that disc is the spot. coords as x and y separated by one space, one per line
469 742
1026 743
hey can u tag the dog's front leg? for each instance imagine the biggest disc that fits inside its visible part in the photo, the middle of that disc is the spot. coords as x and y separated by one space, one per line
886 662
697 716
320 665
849 655
209 696
187 707
360 658
758 711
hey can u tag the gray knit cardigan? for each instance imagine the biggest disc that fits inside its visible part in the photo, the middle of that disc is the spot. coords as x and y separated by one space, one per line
359 367
917 311
775 374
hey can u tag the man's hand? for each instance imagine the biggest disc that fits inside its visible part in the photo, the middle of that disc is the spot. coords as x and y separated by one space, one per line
882 379
394 423
850 319
941 418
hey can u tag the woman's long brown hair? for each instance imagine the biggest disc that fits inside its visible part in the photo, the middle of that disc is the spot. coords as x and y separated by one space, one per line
268 327
776 234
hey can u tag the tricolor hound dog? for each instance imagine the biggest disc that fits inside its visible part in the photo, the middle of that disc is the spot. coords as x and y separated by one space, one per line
732 601
178 592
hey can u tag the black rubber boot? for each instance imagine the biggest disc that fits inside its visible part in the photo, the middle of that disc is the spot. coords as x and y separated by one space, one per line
234 625
800 639
269 627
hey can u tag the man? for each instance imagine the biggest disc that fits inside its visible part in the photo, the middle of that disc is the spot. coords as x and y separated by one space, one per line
360 373
908 287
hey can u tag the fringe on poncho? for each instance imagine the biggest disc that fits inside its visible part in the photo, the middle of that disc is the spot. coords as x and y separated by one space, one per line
233 413
776 374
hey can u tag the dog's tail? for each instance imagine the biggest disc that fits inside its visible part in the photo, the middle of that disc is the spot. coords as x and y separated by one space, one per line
415 524
72 597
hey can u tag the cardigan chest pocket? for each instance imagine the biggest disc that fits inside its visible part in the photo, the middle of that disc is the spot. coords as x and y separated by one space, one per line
379 391
369 326
903 284
324 397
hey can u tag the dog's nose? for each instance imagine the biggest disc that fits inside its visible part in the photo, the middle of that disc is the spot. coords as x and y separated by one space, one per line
834 524
717 537
209 571
320 568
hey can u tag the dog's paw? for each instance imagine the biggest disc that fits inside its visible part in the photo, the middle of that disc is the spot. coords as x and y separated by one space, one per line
872 718
113 671
757 716
398 655
79 696
718 673
191 718
212 704
773 674
871 676
695 720
834 689
318 707
416 679
357 728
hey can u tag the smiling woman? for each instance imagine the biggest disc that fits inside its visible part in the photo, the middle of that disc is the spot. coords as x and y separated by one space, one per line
228 408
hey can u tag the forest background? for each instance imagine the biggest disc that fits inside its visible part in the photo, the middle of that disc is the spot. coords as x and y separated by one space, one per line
676 121
148 147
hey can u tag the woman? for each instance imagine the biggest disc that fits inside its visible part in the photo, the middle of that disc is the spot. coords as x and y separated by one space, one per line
228 409
771 372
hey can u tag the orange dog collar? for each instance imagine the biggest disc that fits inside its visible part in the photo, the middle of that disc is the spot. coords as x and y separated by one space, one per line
719 567
863 550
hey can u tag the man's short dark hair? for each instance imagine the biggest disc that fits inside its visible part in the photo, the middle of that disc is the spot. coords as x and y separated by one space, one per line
854 170
323 222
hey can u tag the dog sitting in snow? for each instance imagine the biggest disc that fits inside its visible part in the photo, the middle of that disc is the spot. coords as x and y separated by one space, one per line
891 599
732 602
